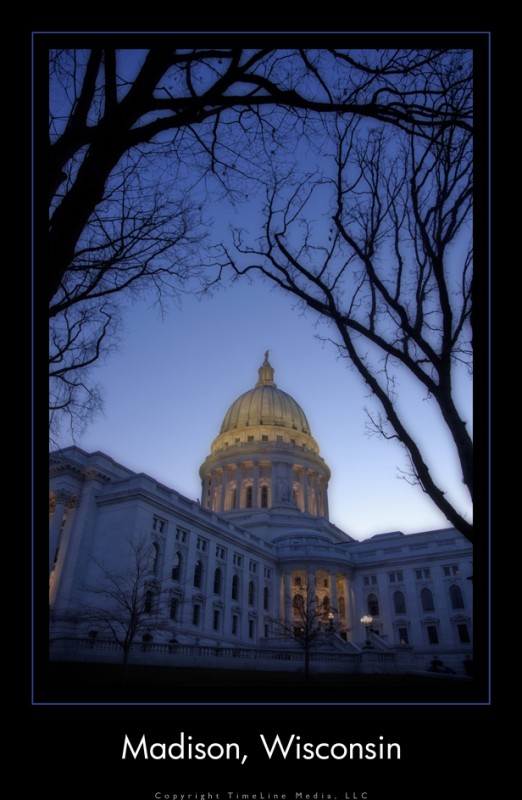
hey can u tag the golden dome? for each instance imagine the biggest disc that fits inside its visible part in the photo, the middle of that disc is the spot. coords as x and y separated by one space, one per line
265 405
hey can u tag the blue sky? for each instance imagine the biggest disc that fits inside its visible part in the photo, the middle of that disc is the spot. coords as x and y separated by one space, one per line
170 383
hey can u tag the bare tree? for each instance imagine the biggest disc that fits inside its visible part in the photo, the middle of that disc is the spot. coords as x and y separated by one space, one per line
312 619
389 264
128 603
137 142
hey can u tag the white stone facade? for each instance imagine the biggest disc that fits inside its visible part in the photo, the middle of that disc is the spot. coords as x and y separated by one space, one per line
234 570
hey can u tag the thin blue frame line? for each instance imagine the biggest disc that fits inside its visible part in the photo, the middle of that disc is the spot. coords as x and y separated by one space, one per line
489 366
32 372
266 704
204 33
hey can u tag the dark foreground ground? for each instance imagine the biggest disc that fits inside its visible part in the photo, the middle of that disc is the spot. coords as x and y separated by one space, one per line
102 683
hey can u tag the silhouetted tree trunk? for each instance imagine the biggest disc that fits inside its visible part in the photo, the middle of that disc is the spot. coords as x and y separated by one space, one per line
139 144
389 265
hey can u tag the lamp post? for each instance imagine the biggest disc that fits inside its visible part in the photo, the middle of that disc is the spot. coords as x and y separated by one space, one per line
367 621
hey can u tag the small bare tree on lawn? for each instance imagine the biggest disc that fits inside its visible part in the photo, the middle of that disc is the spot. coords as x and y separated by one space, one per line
311 618
129 602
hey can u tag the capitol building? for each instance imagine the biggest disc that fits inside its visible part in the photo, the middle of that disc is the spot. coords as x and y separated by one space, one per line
253 575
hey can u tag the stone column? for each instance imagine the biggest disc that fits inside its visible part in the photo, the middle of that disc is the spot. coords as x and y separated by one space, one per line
238 486
212 488
333 594
223 489
325 500
255 487
304 485
316 492
55 525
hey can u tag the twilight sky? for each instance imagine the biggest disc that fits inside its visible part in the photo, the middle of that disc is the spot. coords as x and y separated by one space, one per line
171 382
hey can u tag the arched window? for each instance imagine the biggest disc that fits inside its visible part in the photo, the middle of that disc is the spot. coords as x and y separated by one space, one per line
251 593
264 497
198 574
248 497
457 601
266 598
427 600
299 602
235 587
399 603
342 607
373 605
217 581
176 567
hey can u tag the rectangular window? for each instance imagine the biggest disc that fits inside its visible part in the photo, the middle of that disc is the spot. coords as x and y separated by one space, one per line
463 632
250 438
251 628
252 566
174 604
235 624
403 635
237 441
396 577
220 552
422 573
201 544
149 602
267 572
297 580
373 579
238 560
452 569
159 525
216 619
279 438
433 636
181 535
264 438
196 614
266 631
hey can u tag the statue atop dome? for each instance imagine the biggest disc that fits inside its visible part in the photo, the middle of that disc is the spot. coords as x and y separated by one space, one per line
266 373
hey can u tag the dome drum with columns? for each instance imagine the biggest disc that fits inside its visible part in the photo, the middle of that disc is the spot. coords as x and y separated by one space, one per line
265 456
